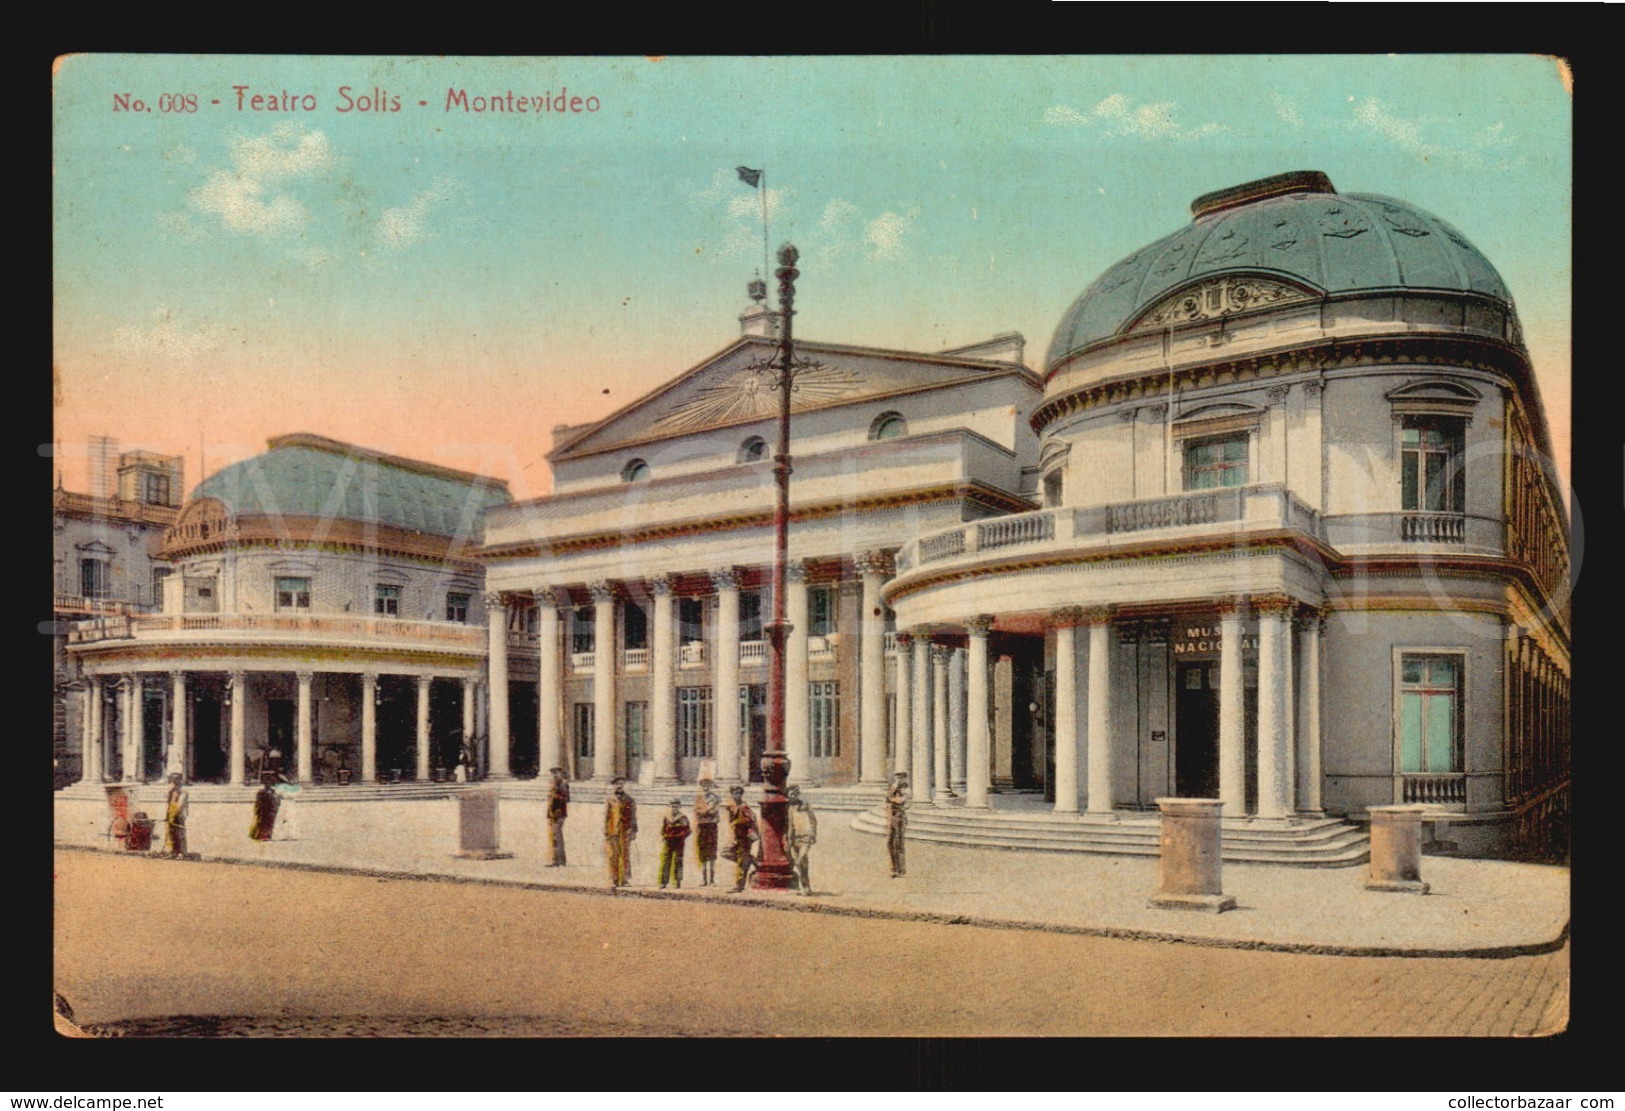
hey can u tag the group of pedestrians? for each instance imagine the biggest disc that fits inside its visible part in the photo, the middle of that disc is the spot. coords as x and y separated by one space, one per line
676 828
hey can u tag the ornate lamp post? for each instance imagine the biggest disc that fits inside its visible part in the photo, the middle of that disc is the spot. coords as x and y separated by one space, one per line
774 868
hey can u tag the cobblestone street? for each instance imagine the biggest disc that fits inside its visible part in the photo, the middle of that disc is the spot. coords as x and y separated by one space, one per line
393 957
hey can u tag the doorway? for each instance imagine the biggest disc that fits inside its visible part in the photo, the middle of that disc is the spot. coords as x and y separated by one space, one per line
753 712
1196 731
208 758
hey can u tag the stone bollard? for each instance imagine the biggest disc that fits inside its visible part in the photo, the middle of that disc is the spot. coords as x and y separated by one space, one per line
1396 850
1191 857
477 825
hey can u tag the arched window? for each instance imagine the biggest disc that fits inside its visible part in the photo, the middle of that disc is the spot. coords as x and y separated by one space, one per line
753 450
888 426
635 471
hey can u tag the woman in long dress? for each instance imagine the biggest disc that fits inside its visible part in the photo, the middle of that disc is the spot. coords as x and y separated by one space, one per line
265 807
175 816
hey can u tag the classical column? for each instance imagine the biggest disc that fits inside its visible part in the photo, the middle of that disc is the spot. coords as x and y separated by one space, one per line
471 700
134 729
797 698
91 762
1274 736
305 760
1232 723
1099 757
1065 623
549 708
496 619
725 699
238 693
1308 762
956 723
423 727
920 775
978 742
178 739
903 756
872 673
662 682
939 724
369 727
604 756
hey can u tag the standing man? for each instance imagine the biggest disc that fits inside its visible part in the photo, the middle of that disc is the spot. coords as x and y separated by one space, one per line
674 831
558 807
707 806
175 816
743 822
803 835
620 827
897 822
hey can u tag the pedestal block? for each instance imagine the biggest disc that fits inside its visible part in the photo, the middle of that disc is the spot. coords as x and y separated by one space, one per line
477 826
1191 857
1396 850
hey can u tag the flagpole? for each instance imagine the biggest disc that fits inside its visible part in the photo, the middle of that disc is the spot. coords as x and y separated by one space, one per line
765 269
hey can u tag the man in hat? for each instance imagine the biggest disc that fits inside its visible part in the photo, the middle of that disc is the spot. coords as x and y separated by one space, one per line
707 807
175 816
558 807
897 822
674 830
620 827
803 835
742 819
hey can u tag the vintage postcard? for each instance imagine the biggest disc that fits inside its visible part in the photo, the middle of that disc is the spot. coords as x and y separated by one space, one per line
978 545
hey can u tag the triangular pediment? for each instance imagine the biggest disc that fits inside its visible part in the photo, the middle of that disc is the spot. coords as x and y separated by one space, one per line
735 387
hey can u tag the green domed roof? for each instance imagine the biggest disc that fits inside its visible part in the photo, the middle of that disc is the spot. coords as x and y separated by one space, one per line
311 476
1295 227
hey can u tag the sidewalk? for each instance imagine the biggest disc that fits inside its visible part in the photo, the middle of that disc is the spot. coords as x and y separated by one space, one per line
1476 907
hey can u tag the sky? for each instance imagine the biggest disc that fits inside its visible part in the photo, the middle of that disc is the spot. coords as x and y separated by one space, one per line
450 284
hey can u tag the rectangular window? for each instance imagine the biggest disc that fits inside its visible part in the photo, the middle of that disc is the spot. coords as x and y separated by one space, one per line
693 722
750 615
159 574
95 578
386 600
637 718
691 620
585 742
155 489
634 626
1430 689
1216 461
826 717
581 629
292 594
1430 472
820 611
457 604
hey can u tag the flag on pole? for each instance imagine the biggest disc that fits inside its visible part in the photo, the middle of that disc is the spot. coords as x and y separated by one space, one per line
749 176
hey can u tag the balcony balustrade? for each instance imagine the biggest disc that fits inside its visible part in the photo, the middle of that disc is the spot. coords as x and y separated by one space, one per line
635 659
753 653
691 654
157 626
1433 528
583 661
1441 789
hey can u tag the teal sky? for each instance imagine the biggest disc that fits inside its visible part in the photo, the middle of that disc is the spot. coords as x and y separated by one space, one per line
451 285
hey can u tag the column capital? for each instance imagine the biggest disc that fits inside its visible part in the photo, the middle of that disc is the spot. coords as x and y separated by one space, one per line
1066 617
876 562
1233 606
238 676
424 681
370 678
125 682
602 593
1098 615
795 571
724 578
550 596
1273 604
661 586
305 676
1312 389
903 640
493 599
1277 394
940 654
980 625
1308 617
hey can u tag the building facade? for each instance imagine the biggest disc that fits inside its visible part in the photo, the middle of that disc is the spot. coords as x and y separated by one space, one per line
323 618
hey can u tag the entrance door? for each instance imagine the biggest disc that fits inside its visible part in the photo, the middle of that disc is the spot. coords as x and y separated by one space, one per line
1196 731
154 733
279 735
208 758
753 713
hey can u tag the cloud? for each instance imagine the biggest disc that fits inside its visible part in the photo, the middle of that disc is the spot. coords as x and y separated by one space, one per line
1117 116
244 198
401 227
167 340
1287 109
884 234
1375 116
739 206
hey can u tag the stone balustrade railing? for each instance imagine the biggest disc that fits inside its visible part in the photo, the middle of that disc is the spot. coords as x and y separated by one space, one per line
1442 788
160 625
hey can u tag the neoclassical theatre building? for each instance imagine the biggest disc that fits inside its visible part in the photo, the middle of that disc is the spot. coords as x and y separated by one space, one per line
1276 524
323 619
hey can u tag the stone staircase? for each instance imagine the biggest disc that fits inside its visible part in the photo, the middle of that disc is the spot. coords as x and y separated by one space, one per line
1307 842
